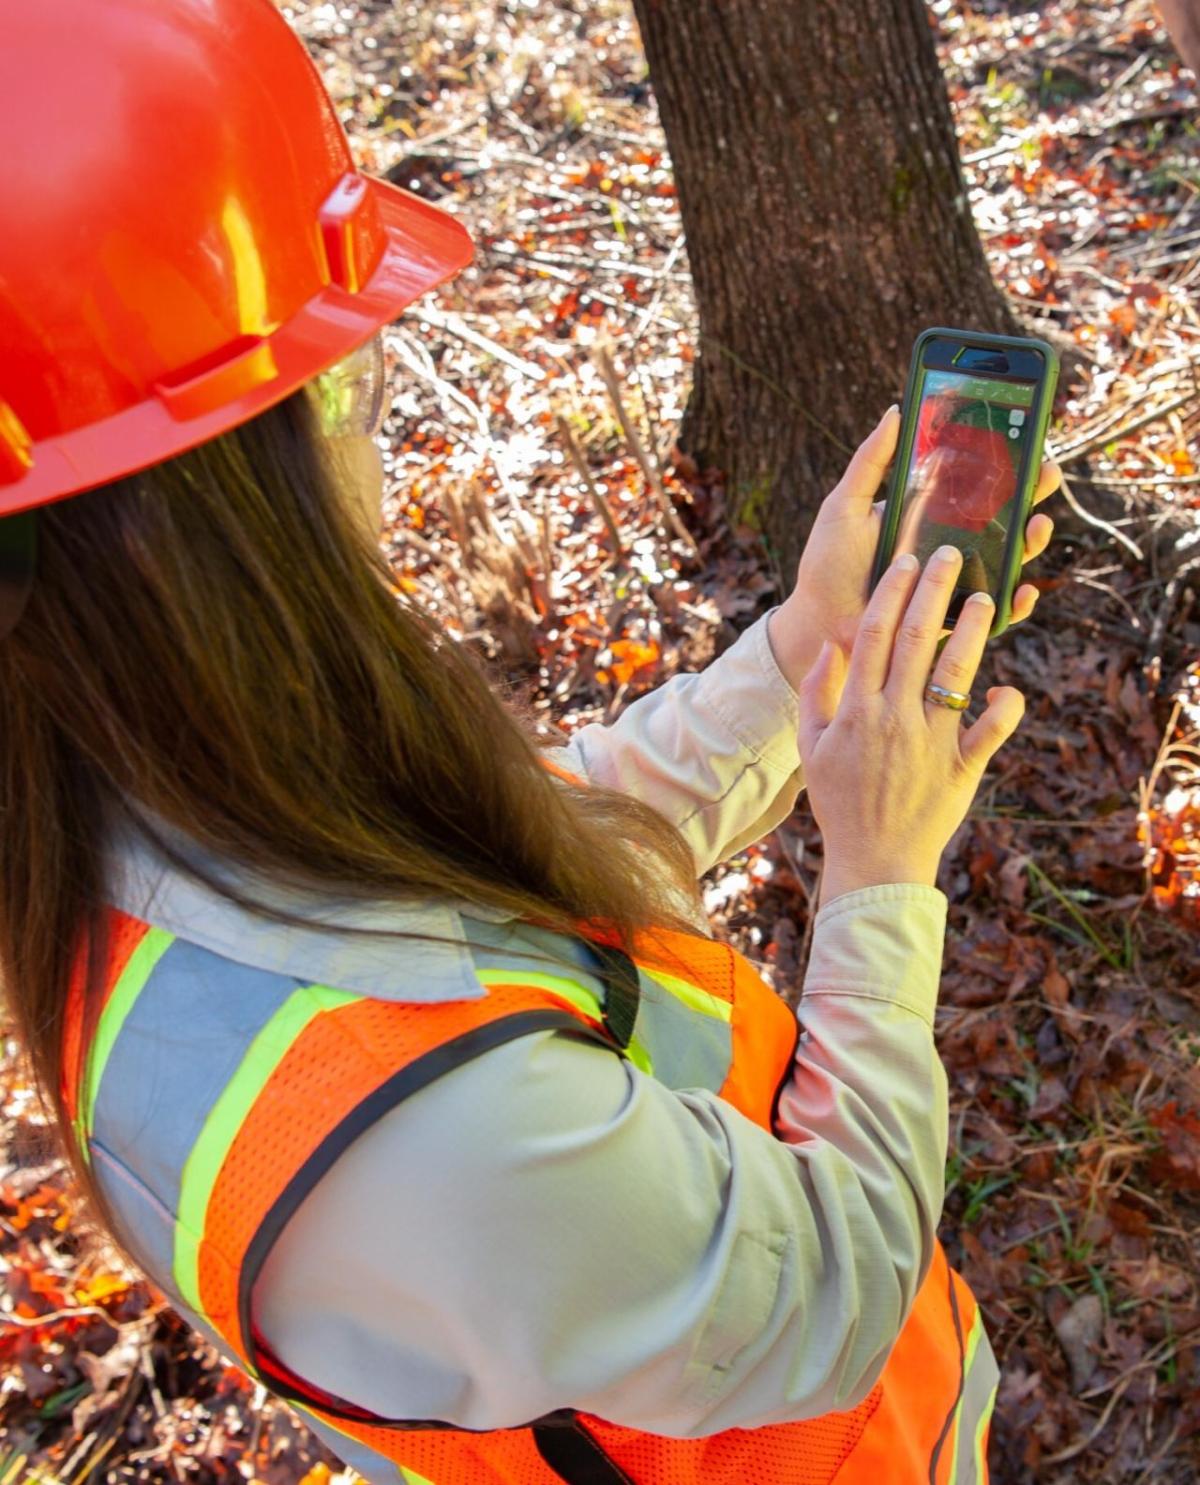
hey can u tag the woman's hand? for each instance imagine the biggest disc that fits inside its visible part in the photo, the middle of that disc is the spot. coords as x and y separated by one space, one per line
835 570
891 775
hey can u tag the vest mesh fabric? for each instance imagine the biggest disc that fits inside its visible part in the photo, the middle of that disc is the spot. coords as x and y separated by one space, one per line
508 1458
711 965
122 936
807 1453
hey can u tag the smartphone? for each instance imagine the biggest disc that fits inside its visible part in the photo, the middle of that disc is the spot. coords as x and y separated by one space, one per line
972 428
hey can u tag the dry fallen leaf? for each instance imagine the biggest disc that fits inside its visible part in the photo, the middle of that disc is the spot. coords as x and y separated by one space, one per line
1079 1333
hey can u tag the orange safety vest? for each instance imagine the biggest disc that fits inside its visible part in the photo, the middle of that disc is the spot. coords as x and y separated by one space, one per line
205 1157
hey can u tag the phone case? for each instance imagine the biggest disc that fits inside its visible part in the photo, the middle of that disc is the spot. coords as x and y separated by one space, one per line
1043 404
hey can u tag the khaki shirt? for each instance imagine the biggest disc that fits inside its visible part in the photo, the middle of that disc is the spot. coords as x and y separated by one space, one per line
547 1227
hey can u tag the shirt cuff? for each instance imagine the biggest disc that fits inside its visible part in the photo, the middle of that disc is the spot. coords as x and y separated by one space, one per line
746 690
881 943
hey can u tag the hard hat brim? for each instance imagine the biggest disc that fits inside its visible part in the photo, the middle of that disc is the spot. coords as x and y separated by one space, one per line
424 247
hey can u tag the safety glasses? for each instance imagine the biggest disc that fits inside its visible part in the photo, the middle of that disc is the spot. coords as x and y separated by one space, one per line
350 394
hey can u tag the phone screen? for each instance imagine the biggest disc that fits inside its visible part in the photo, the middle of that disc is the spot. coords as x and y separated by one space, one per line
963 480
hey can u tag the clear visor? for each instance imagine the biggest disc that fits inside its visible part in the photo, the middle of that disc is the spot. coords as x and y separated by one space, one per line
350 394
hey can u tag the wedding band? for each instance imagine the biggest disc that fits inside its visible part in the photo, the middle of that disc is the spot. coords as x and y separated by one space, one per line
956 701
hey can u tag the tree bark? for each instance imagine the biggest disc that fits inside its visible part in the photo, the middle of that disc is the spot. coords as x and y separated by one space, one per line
1183 22
827 223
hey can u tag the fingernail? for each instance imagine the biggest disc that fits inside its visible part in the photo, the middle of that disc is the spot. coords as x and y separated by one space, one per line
982 598
895 408
907 563
947 554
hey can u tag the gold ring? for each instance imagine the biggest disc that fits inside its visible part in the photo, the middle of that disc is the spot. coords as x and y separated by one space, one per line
956 701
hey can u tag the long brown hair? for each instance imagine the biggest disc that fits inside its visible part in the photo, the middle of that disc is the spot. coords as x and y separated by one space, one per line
216 641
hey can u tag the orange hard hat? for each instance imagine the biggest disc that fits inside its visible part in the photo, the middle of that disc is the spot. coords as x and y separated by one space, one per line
186 237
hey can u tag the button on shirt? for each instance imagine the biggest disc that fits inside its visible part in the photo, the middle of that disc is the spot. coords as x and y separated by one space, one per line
547 1227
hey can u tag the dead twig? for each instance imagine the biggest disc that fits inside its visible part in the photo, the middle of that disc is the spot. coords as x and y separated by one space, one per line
1079 450
101 1444
597 495
1137 482
1101 1424
456 325
52 1317
608 375
546 538
1094 129
1162 1352
405 536
648 315
1093 520
1166 608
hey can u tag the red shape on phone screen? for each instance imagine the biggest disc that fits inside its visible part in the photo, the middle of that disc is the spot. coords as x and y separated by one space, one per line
966 469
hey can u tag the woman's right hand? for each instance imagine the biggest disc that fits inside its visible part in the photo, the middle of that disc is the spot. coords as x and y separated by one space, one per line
890 775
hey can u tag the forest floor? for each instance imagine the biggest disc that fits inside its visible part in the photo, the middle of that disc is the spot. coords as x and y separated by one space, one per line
530 463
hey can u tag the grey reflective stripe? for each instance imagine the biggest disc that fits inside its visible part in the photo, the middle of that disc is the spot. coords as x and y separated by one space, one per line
981 1379
176 1051
520 946
517 954
143 1223
688 1048
123 996
687 1037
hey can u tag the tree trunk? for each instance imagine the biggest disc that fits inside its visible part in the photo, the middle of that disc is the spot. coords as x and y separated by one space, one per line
827 223
1183 22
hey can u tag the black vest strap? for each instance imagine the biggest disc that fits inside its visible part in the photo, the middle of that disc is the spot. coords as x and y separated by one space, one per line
575 1456
623 991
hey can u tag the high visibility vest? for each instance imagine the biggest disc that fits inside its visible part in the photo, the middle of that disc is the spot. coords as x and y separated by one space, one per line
273 1078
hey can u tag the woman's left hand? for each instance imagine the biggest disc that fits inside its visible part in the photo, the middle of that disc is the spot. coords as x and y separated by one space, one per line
831 589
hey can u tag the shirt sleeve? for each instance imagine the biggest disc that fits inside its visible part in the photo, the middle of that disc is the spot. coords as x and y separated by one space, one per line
715 752
547 1227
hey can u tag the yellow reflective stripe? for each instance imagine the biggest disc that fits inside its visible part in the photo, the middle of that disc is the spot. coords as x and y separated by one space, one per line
973 1341
692 995
981 1437
639 1056
227 1116
410 1477
501 979
138 969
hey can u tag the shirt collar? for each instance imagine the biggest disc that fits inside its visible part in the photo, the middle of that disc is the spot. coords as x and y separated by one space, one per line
351 945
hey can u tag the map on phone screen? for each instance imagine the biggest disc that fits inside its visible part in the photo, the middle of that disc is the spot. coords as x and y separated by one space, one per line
961 484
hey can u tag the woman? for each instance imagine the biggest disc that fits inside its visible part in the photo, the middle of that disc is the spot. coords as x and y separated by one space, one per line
389 1045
